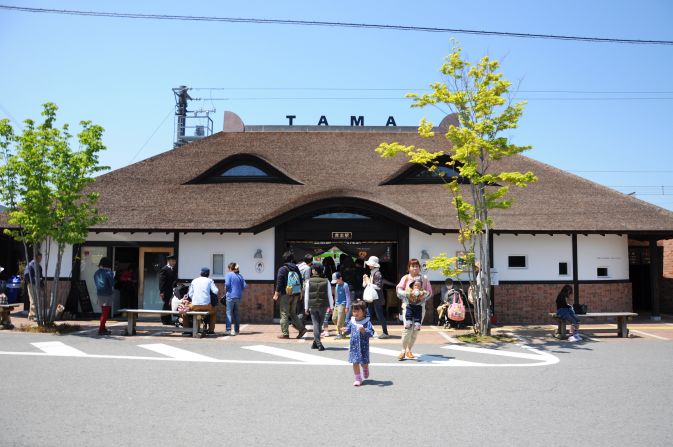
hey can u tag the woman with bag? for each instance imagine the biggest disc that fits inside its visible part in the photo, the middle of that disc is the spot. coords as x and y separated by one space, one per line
409 334
374 283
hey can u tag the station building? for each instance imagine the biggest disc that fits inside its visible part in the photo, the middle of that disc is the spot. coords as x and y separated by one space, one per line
249 193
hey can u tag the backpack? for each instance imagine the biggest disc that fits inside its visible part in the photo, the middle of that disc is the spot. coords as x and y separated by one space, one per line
293 286
456 310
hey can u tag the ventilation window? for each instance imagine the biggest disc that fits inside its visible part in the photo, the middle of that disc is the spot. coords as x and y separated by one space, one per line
602 272
563 269
517 262
419 175
244 171
243 168
337 215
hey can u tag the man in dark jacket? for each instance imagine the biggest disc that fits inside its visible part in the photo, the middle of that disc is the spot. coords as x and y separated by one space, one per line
31 273
288 299
168 279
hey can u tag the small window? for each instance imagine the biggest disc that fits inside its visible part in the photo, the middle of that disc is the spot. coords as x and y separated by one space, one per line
218 265
242 168
563 269
420 175
244 171
341 216
602 272
516 262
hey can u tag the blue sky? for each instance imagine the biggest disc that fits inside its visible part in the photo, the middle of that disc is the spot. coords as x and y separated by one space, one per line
119 73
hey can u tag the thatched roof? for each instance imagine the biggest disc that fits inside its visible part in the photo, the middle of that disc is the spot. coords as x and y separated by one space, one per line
155 194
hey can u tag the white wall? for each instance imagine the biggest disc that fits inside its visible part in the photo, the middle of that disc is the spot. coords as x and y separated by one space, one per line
435 244
66 262
130 237
196 250
611 251
543 253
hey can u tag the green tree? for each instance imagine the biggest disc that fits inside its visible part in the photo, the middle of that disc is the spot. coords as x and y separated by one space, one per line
43 183
478 95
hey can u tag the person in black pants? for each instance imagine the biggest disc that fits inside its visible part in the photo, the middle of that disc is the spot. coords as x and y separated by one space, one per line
168 279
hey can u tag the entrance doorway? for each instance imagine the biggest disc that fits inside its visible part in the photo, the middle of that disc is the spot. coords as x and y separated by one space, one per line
639 274
356 227
151 261
126 261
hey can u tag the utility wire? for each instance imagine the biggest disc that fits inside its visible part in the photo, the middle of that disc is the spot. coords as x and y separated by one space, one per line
402 98
119 15
428 89
153 133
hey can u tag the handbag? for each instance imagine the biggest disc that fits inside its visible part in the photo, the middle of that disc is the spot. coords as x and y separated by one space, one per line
580 309
369 295
457 308
213 299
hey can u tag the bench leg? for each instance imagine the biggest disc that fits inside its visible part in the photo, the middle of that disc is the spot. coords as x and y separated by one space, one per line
561 330
622 330
195 325
131 328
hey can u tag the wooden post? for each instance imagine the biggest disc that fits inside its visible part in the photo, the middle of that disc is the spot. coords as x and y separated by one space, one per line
655 274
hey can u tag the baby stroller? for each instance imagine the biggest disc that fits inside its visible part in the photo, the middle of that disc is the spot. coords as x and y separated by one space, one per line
177 303
446 297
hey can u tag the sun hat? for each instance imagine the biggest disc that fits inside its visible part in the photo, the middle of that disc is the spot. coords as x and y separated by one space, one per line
335 276
373 262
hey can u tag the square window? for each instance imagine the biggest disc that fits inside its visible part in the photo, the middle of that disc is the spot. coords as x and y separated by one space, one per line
218 265
563 269
517 262
602 272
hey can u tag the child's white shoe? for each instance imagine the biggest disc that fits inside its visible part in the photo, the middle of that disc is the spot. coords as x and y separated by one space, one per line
358 380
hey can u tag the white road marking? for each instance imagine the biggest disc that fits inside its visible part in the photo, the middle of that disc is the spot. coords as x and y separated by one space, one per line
303 357
171 353
447 337
647 334
58 348
497 352
177 353
434 359
95 329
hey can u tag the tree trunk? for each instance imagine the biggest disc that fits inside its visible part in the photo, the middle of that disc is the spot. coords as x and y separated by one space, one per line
56 283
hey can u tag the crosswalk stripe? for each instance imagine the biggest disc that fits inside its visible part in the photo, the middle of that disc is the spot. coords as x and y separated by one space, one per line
58 348
286 353
177 353
422 357
521 355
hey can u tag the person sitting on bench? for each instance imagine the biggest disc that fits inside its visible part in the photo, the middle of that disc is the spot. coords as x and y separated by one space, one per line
565 311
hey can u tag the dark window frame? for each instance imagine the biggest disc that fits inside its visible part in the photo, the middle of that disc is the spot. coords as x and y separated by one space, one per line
512 257
560 271
214 174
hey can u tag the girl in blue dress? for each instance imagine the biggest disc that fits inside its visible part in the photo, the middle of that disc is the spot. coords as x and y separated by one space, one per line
360 329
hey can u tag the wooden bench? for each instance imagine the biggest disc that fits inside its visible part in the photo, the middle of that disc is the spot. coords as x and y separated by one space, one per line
622 318
5 321
197 320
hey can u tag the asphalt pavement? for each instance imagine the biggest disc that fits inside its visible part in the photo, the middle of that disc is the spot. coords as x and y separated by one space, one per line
252 389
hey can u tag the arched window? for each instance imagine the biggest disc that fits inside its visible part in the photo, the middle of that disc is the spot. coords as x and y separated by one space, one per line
243 168
419 175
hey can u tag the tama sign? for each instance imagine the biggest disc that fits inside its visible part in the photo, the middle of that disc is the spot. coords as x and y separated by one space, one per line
356 121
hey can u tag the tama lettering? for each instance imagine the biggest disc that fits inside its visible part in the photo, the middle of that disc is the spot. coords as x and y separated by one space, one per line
356 121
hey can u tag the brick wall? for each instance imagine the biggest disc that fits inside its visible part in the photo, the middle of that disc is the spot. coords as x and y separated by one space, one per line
256 306
530 303
668 258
